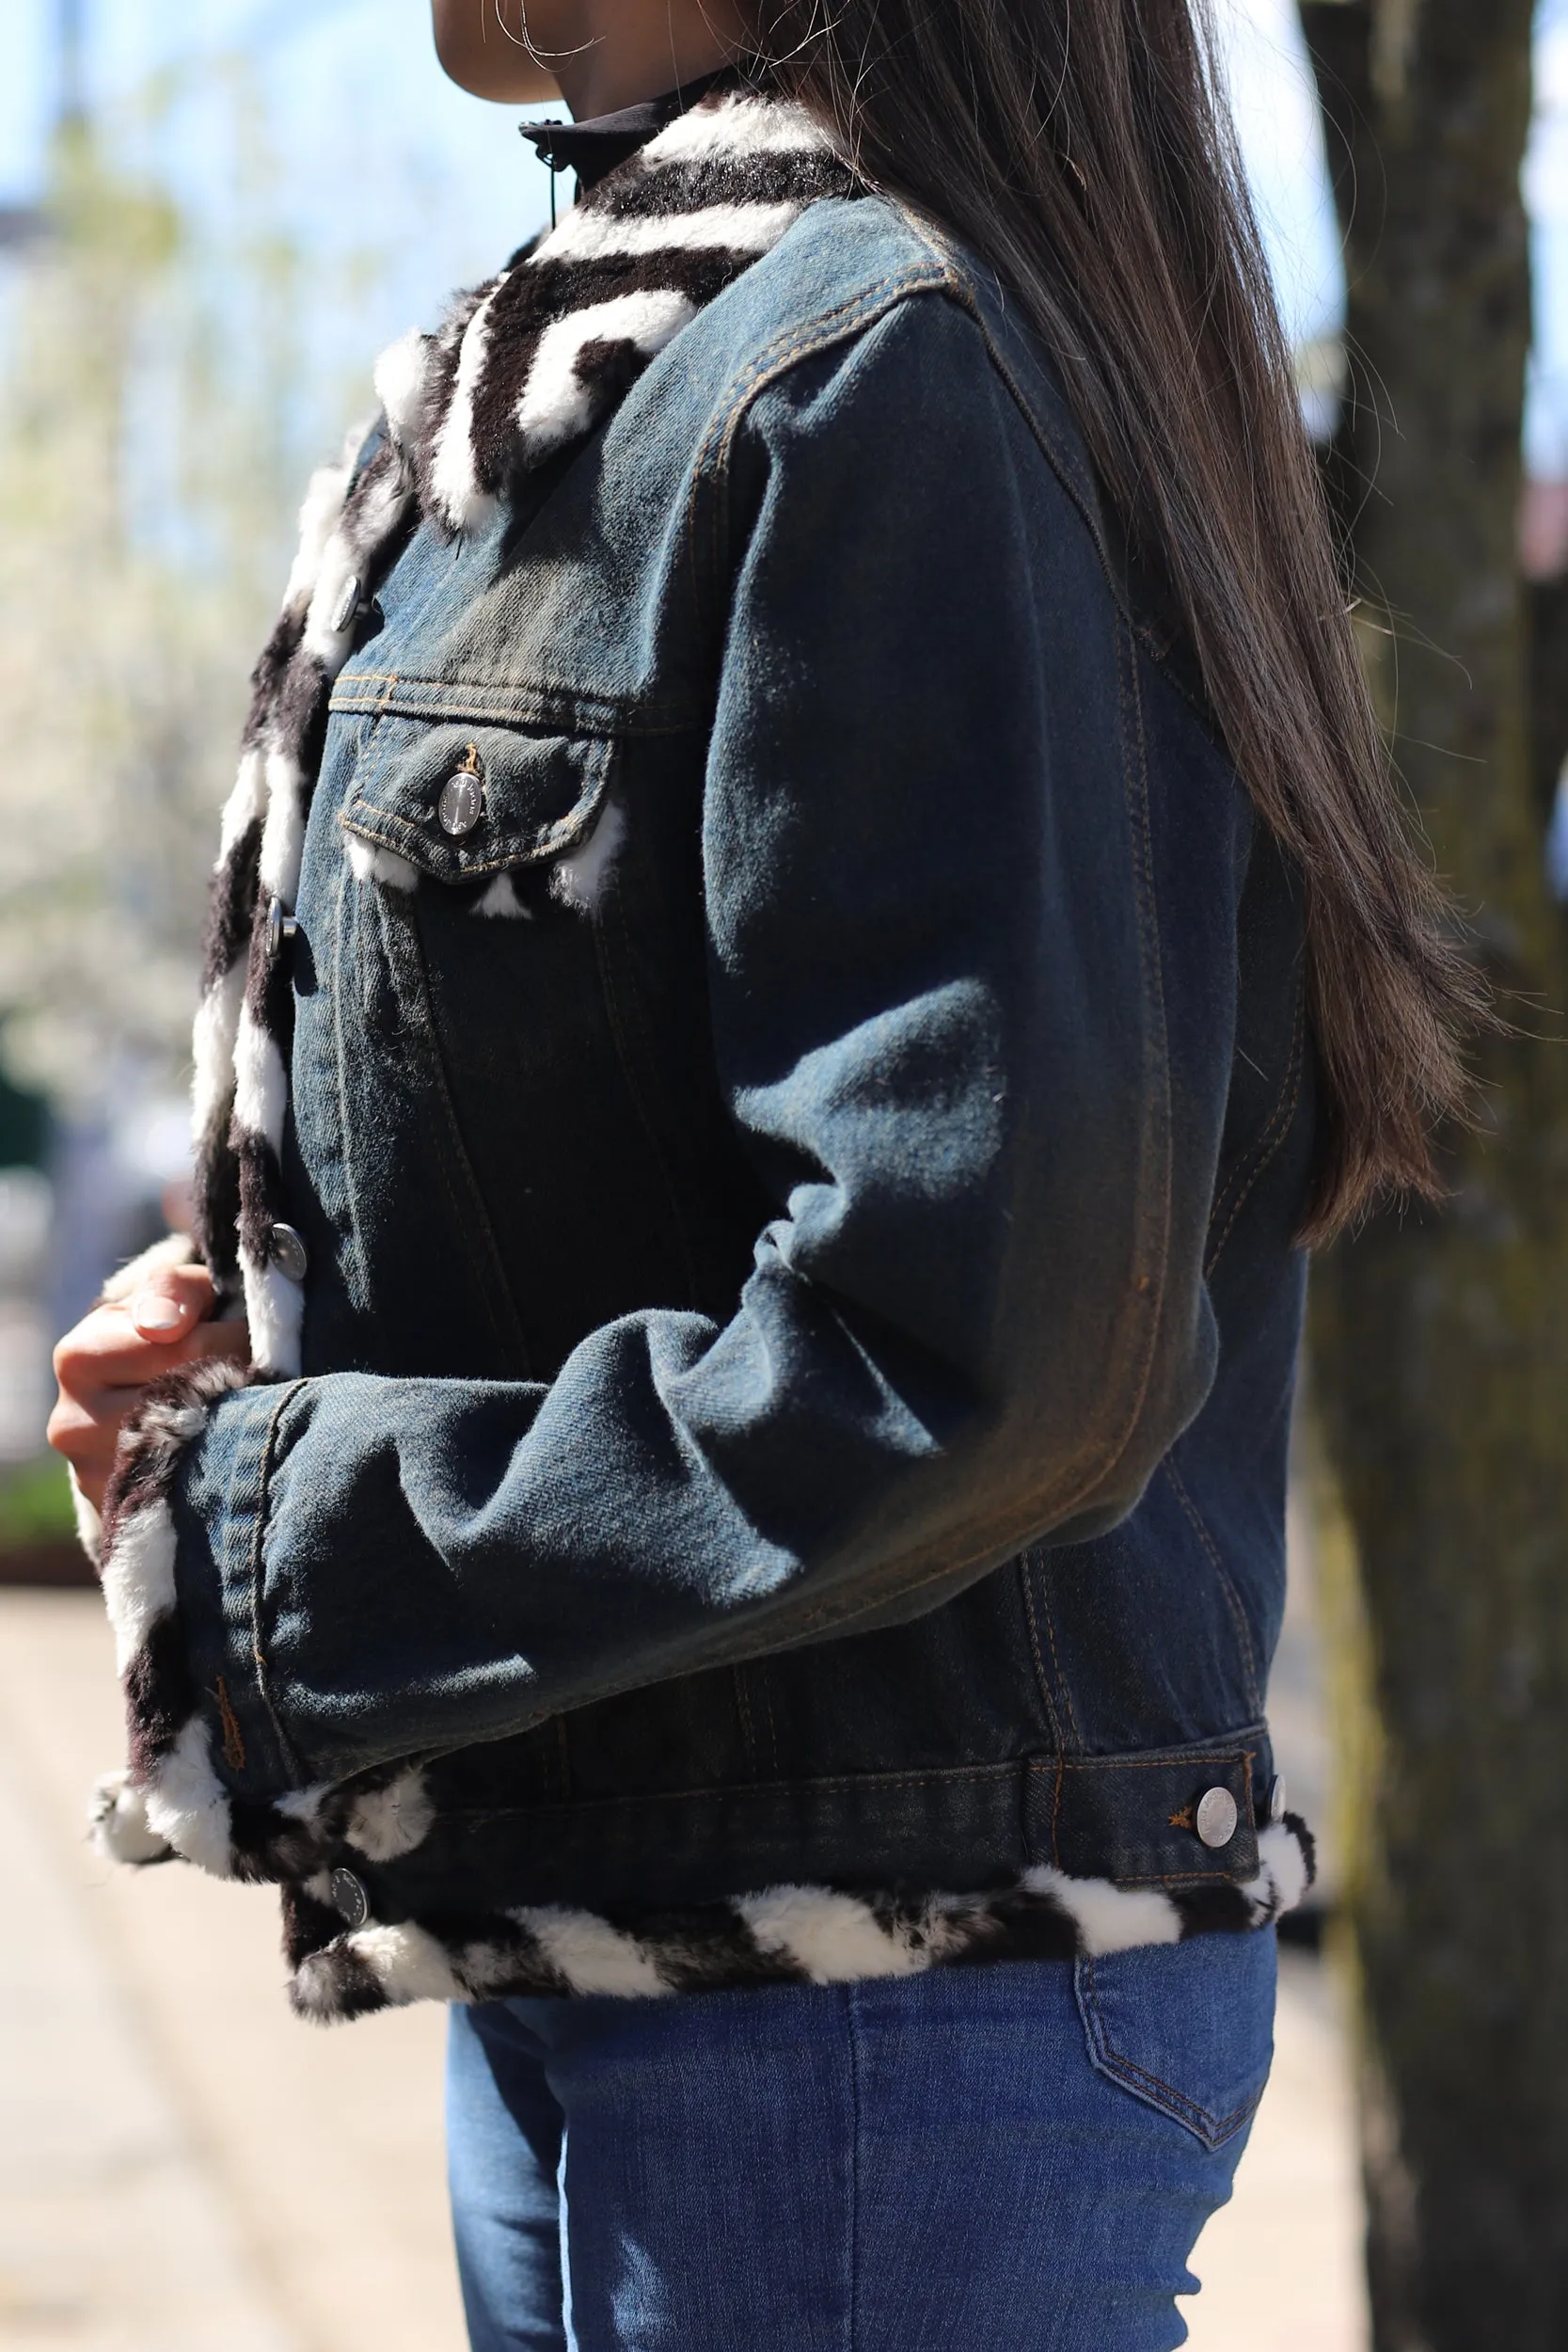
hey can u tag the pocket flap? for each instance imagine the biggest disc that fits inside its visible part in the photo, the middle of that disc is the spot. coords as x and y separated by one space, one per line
463 800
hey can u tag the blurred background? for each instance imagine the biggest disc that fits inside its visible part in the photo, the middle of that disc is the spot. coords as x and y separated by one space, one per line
210 222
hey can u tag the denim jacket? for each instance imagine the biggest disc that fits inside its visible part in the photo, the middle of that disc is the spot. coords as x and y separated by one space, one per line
798 1196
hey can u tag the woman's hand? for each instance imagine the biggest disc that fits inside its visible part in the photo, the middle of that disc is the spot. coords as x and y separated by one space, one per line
103 1364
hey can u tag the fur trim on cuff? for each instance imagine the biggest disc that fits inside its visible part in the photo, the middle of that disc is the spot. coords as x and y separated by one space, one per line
171 1798
783 1935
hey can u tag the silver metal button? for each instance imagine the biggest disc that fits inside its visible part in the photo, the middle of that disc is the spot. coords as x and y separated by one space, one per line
288 1252
349 1898
282 928
462 801
348 602
1278 1799
1217 1817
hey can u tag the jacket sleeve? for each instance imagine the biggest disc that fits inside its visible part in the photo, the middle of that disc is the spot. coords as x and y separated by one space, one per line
935 972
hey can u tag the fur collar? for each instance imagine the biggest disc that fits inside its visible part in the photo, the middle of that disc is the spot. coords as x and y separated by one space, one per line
523 370
535 359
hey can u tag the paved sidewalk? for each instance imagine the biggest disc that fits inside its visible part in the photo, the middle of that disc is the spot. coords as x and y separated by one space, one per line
183 2167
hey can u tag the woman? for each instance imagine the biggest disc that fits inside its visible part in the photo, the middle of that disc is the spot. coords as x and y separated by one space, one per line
812 918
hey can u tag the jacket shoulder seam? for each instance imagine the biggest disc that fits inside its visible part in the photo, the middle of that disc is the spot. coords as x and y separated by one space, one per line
801 340
959 285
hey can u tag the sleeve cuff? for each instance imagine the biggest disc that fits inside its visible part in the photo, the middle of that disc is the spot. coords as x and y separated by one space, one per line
208 1774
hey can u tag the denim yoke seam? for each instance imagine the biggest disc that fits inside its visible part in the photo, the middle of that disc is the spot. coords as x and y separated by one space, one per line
1268 1143
1214 2128
255 1576
534 701
1233 1598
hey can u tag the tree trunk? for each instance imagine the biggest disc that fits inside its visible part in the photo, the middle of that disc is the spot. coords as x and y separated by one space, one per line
1441 1340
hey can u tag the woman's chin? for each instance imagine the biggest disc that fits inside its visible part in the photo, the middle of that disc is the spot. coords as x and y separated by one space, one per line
476 54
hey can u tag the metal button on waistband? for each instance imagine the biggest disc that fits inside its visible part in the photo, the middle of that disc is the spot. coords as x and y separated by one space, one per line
1278 1799
288 1252
282 928
348 602
1217 1817
462 801
349 1898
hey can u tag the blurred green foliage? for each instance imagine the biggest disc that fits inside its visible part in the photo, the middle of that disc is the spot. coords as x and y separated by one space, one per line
155 437
35 1504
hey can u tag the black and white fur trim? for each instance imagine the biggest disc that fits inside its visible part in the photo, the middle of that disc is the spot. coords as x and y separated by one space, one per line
782 1935
524 368
244 1025
544 352
172 1800
169 1799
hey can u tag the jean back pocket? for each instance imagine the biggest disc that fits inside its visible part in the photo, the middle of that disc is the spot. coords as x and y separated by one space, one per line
1187 2028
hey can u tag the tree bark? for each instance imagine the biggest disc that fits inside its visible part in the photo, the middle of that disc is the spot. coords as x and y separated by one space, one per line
1440 1339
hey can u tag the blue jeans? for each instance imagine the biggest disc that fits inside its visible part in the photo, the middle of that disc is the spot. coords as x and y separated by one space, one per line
1016 2158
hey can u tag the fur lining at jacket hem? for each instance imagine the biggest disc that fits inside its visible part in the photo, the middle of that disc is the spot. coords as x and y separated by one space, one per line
782 1935
171 1799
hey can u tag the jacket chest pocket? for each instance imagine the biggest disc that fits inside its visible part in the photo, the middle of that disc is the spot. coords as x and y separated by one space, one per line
472 853
468 805
480 868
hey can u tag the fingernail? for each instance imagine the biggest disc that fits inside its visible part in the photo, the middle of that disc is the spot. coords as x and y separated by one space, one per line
152 1311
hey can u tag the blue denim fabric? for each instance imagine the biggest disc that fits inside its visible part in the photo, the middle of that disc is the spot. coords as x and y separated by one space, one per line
799 1355
1014 2159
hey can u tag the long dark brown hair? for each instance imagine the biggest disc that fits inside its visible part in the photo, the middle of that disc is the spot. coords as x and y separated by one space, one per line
1079 148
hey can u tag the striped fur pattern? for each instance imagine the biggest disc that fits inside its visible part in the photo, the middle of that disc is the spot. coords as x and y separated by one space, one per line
783 1935
169 1798
172 1800
523 369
